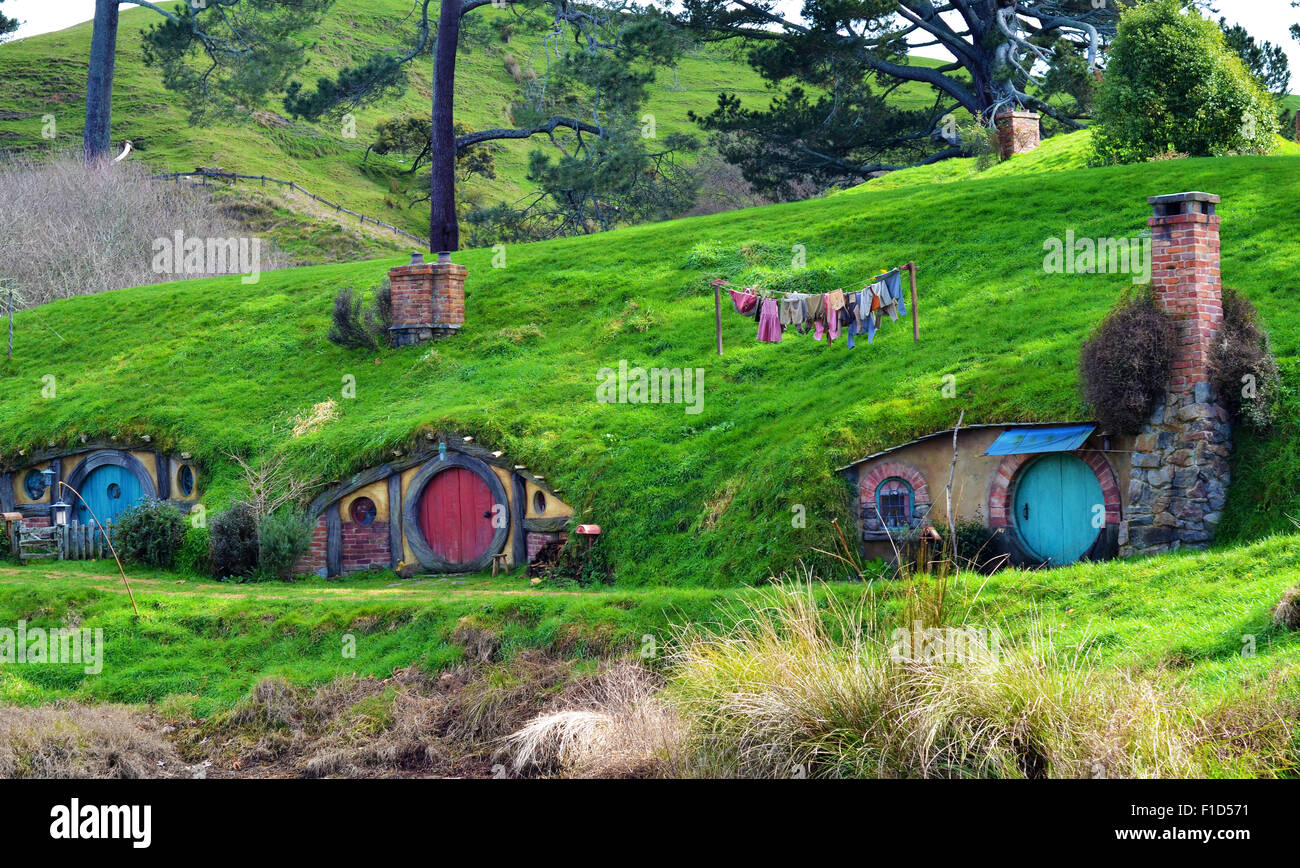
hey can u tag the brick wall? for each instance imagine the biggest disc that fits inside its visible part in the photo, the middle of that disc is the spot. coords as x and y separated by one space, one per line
314 560
1018 132
365 546
537 540
428 300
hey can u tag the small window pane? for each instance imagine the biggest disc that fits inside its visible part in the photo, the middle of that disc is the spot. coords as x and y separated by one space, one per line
187 480
894 501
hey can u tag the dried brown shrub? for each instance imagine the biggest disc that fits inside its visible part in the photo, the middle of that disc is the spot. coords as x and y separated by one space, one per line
1243 372
68 230
1125 365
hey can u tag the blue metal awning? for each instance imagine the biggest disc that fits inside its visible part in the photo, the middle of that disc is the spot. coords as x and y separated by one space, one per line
1026 441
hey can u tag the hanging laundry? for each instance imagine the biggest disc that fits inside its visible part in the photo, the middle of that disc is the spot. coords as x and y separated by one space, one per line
792 310
851 302
769 325
744 301
894 282
832 313
834 305
814 310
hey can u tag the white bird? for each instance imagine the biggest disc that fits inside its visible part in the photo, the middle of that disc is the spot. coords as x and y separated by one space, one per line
125 151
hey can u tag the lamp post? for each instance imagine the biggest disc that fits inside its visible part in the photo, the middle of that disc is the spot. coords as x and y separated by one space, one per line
107 539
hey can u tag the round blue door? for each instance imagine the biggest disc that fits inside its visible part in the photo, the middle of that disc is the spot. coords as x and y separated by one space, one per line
1059 508
109 490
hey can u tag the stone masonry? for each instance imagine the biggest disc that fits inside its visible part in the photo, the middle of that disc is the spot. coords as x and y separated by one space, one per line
1180 472
428 301
1018 132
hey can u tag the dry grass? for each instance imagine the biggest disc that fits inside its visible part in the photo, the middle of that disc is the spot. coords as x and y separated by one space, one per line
321 414
68 230
617 726
410 724
1287 612
79 741
800 690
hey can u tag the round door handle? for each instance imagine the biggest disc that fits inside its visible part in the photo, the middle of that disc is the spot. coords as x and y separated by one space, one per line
487 513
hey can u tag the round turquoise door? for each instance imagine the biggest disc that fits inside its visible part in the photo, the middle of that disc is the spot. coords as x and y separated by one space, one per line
109 490
1058 500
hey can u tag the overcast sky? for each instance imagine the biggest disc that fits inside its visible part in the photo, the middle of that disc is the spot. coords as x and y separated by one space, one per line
1265 19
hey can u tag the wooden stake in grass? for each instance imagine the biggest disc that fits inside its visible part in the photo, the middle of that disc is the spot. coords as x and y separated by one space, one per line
108 540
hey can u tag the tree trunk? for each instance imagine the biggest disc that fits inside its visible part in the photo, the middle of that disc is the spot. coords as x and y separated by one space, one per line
444 232
97 138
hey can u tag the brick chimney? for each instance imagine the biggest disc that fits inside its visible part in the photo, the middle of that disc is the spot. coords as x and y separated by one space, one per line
1179 467
428 300
1018 132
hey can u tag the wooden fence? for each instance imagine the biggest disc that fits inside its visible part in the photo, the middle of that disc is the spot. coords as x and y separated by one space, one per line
234 177
83 542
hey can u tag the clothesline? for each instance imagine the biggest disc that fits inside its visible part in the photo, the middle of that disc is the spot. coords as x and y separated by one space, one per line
815 317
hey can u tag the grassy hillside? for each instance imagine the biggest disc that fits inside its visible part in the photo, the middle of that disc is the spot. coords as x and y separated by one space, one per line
686 499
46 74
198 646
1055 154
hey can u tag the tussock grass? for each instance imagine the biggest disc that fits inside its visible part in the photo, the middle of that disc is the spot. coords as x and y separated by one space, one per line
806 688
617 726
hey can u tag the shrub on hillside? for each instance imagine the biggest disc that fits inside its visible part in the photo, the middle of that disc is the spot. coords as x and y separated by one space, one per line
358 327
149 533
68 230
234 542
283 538
1125 365
195 554
1172 84
1243 371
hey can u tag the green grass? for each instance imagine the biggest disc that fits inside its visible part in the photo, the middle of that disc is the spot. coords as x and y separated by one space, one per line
206 643
211 365
1060 152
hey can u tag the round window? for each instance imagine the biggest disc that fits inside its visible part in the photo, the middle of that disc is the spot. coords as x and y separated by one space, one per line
114 490
187 479
363 510
539 502
34 483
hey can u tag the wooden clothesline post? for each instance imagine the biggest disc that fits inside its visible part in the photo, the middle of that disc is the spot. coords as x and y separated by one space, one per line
717 312
916 326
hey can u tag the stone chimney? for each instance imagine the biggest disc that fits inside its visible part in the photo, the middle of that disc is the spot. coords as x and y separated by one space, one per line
1179 467
428 300
1018 132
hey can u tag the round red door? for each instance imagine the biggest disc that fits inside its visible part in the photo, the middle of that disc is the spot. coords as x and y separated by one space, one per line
456 515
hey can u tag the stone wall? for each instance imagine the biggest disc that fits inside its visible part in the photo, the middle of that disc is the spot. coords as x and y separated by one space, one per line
1179 473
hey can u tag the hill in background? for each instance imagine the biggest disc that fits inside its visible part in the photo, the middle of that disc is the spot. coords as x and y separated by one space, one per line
212 365
46 74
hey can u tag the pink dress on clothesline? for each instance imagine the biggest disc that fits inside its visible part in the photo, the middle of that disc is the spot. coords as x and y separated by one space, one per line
769 324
